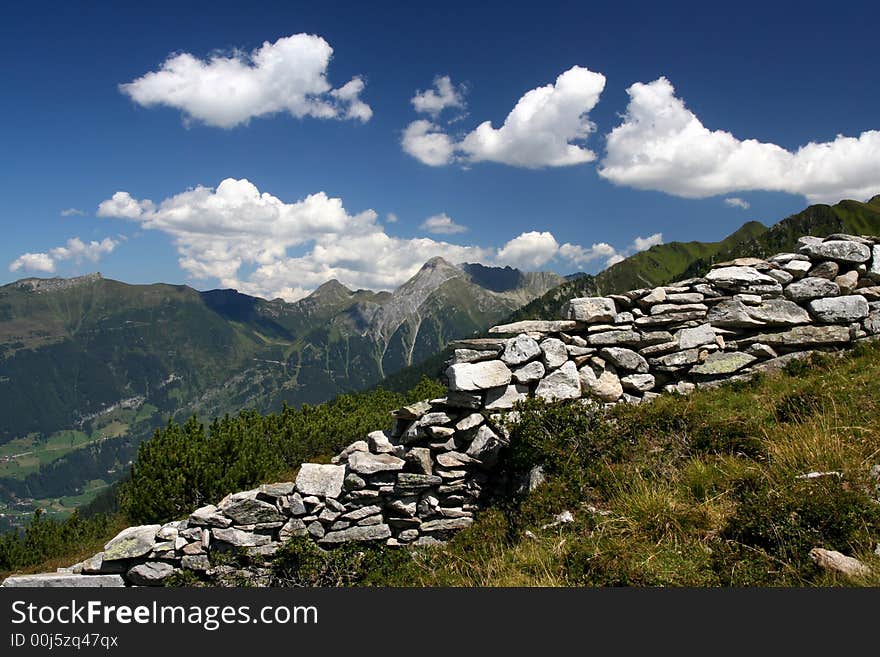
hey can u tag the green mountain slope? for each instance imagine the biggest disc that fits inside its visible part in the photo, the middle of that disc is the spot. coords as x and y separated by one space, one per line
90 366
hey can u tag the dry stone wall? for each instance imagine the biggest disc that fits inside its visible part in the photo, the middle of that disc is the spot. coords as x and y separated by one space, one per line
423 480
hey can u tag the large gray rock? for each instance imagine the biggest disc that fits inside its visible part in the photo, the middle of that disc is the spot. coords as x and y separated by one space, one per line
638 382
380 442
839 250
446 524
478 376
592 310
874 269
555 353
151 573
836 310
131 543
562 383
321 480
735 277
810 288
621 337
410 482
472 355
605 387
365 463
251 511
291 529
625 359
697 336
485 447
359 533
520 349
530 372
240 538
723 363
64 580
772 312
505 397
536 326
806 336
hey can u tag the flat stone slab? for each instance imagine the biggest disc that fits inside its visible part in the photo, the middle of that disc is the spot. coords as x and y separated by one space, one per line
322 480
536 326
478 376
64 580
131 542
723 363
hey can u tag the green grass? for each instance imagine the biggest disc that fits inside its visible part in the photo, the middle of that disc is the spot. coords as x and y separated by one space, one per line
687 491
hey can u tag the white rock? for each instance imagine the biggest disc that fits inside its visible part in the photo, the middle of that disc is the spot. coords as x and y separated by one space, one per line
531 372
320 480
505 396
689 338
591 310
562 383
520 349
554 352
840 309
478 376
606 386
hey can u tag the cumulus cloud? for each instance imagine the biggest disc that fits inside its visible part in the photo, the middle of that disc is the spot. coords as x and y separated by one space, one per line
643 243
580 256
41 262
443 95
735 202
255 242
546 128
661 145
529 250
218 232
226 90
72 212
75 250
391 218
441 224
427 142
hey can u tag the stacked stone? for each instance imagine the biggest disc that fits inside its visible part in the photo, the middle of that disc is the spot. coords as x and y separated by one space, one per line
423 480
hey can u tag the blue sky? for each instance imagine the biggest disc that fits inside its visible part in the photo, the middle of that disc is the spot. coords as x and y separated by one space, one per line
590 169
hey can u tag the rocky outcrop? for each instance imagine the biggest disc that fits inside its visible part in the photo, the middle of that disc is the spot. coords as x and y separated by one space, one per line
424 479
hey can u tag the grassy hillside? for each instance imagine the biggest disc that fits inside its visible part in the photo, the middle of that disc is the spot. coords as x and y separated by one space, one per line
703 490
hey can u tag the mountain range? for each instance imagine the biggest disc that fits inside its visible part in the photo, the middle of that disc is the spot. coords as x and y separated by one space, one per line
89 367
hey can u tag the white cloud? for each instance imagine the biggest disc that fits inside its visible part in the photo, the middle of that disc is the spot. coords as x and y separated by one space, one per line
391 218
219 231
662 145
33 262
289 75
443 95
735 202
121 204
546 128
529 250
441 224
75 250
580 256
644 243
71 212
427 142
613 260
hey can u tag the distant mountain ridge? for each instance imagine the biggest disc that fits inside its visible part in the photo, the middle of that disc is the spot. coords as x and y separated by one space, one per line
104 359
